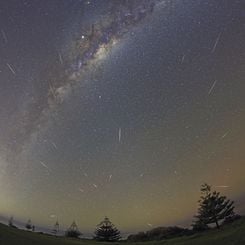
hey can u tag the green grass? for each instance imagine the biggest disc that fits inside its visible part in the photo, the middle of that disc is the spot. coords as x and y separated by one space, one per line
232 234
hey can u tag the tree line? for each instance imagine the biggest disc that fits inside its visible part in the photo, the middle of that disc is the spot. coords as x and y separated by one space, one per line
214 210
105 231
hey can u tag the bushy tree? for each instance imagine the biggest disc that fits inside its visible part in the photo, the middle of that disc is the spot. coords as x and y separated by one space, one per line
140 237
11 222
212 208
159 233
28 225
73 231
106 231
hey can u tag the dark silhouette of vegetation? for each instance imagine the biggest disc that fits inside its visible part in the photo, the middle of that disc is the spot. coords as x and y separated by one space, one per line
11 222
56 228
199 226
159 233
106 231
28 225
139 237
73 231
213 208
231 219
229 234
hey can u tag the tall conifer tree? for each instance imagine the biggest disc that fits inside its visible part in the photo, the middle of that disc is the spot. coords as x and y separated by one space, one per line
213 207
106 231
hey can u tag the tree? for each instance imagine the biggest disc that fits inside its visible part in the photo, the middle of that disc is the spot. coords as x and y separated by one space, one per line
11 222
212 208
28 225
73 231
106 231
56 228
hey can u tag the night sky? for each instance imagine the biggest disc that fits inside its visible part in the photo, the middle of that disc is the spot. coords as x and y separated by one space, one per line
120 108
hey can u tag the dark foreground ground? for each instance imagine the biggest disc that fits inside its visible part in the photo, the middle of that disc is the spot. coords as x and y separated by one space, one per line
232 234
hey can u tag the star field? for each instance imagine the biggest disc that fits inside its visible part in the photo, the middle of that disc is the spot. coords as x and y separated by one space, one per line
120 108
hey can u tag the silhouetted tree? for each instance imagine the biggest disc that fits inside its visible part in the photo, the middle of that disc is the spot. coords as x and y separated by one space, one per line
11 222
106 231
28 225
56 228
73 231
159 233
212 207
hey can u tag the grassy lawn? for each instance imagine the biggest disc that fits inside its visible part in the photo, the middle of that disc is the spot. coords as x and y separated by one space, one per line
231 234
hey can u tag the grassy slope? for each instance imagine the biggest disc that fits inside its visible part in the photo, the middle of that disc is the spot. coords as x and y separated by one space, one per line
231 234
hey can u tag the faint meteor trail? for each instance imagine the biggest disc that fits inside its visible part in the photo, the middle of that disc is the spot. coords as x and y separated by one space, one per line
110 176
222 186
44 165
11 68
183 58
54 145
216 43
4 36
61 59
119 134
224 135
212 87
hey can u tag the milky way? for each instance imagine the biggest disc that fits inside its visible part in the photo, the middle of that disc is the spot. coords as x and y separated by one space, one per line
89 46
99 38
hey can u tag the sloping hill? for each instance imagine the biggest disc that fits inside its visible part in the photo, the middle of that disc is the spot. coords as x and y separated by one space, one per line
232 234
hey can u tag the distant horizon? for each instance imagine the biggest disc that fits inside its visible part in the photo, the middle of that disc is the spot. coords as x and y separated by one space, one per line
48 229
86 233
